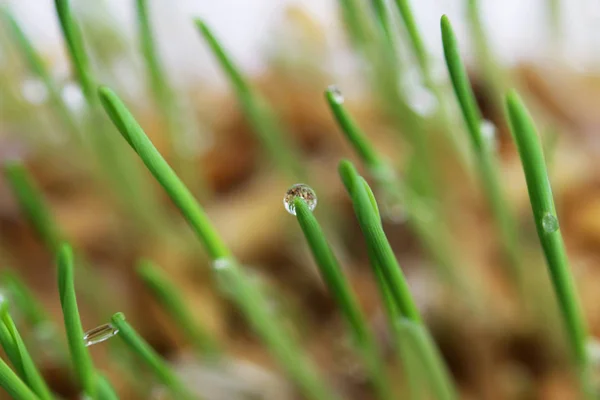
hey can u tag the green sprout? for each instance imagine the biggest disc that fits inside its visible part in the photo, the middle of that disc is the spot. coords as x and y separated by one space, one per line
346 300
169 297
13 385
486 162
159 367
546 223
247 296
82 361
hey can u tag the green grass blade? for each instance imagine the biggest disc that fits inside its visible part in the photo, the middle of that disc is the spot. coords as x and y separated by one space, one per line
486 163
262 118
164 174
383 256
105 390
370 224
31 375
76 50
158 366
32 203
82 361
23 298
546 222
419 342
168 296
345 298
247 296
14 386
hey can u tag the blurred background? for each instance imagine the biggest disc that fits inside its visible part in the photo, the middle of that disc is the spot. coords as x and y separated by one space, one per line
102 200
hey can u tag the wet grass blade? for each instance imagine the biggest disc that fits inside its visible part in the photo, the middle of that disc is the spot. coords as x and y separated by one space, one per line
158 366
548 229
82 361
340 289
246 295
260 115
484 155
168 296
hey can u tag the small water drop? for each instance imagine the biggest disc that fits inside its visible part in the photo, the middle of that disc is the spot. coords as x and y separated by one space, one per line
549 223
489 134
304 192
593 350
34 91
99 334
336 94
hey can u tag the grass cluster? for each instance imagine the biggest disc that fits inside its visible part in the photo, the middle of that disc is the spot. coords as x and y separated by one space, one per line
372 30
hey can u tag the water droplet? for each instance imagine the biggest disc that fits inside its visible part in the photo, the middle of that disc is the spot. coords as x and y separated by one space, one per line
34 91
99 334
304 192
220 268
549 223
488 134
73 96
336 94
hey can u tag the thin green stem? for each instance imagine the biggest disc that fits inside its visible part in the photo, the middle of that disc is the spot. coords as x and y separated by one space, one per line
32 203
486 162
82 361
75 45
383 255
23 298
133 133
546 222
13 385
31 375
169 297
247 296
158 366
342 292
260 115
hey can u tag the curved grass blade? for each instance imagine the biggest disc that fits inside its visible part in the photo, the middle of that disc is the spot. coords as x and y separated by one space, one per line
381 252
168 295
547 225
246 295
82 362
260 115
76 53
31 375
32 204
342 292
13 385
486 163
159 367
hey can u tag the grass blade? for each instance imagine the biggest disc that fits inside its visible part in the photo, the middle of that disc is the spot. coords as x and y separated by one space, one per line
246 295
159 367
486 163
342 292
261 117
546 222
82 361
76 50
32 204
168 295
380 250
23 298
31 375
14 386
